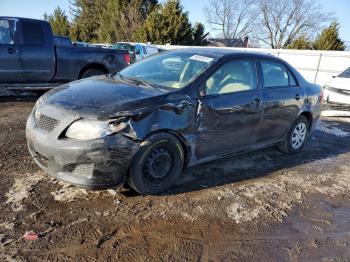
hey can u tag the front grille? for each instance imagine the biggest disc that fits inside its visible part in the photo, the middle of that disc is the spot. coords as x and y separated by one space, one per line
336 107
80 170
45 122
83 170
69 167
41 159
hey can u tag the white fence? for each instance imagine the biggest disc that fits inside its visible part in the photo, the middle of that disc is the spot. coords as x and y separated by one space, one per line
316 66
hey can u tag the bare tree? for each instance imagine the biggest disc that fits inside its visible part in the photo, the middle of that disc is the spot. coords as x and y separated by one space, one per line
282 21
234 19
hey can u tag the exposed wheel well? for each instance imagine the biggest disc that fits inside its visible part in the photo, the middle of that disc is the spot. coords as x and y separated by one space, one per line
308 116
185 144
93 65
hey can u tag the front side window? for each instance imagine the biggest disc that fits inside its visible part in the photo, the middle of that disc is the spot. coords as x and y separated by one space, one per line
233 76
276 75
6 32
345 74
32 33
169 69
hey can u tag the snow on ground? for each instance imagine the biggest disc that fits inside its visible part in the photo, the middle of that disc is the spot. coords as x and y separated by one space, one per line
331 129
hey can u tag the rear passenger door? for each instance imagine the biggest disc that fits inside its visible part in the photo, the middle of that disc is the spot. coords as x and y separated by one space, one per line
10 66
37 52
282 98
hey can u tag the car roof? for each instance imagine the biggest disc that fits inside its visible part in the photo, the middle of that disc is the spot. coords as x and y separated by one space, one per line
221 52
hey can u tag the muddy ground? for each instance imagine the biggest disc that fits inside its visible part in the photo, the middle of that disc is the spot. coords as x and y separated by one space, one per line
260 206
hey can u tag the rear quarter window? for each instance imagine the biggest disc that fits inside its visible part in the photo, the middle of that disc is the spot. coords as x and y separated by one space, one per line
276 74
32 33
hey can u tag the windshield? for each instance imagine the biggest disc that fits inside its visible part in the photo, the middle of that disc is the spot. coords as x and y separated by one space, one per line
170 69
345 74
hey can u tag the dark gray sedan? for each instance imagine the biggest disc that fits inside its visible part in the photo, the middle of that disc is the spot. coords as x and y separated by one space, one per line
146 123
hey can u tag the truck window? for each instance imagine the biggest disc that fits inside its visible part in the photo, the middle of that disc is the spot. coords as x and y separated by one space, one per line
32 33
6 32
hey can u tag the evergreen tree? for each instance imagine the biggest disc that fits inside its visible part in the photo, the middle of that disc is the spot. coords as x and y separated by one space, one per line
120 20
146 7
109 20
167 23
199 35
58 21
301 43
329 39
86 15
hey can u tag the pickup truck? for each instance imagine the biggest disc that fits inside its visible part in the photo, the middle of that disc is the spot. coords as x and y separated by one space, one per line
28 54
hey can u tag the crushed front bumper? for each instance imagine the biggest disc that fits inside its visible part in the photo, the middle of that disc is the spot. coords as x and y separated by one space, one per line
97 163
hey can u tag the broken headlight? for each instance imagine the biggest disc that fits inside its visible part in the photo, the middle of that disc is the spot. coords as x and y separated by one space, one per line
86 129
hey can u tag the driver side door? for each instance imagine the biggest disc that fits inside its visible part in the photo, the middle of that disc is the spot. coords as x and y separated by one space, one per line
230 110
10 64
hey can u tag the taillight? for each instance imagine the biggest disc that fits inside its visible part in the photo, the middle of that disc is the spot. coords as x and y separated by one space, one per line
324 95
127 58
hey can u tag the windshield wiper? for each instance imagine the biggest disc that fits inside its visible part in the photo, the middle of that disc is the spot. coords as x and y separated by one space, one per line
139 81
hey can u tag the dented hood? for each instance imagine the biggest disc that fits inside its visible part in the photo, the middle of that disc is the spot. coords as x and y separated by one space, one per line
101 96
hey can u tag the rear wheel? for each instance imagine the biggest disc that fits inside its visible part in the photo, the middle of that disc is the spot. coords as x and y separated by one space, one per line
297 136
92 72
157 164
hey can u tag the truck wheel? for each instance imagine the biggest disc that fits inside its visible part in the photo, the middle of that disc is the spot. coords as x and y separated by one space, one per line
297 136
157 164
92 72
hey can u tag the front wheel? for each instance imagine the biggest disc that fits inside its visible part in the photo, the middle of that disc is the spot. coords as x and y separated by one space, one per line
297 136
157 164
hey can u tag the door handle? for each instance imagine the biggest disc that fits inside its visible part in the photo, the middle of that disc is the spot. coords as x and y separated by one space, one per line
256 101
11 50
297 96
255 105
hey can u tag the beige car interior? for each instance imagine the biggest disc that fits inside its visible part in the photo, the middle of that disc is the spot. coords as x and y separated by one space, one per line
232 77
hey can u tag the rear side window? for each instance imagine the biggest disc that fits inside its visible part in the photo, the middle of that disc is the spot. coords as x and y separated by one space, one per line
32 33
276 75
144 50
62 41
6 32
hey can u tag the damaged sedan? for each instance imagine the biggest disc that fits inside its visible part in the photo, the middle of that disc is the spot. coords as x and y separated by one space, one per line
148 122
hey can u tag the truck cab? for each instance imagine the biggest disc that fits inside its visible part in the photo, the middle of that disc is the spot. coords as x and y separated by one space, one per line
21 42
29 54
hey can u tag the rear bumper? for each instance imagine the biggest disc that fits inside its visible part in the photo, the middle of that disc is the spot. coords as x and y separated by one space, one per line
95 164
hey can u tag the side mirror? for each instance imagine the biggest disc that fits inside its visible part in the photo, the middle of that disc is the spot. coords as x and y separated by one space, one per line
334 76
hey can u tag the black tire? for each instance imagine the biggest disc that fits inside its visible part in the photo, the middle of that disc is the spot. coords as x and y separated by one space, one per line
156 165
287 146
92 72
